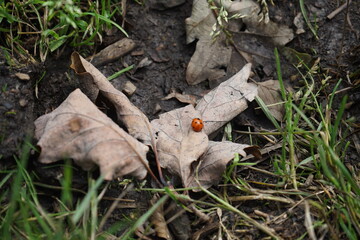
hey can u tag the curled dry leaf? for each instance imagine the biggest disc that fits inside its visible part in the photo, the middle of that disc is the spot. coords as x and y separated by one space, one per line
177 144
184 98
200 23
212 57
95 83
78 130
280 34
227 100
158 220
209 61
269 93
213 163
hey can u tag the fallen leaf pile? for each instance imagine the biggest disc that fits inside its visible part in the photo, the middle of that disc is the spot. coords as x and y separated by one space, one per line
213 57
78 130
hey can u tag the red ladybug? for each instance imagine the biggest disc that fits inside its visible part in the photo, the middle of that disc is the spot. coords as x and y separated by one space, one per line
197 124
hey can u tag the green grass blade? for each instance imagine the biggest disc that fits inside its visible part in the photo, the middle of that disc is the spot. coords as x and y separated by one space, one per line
335 128
107 21
15 193
308 23
266 111
115 75
84 205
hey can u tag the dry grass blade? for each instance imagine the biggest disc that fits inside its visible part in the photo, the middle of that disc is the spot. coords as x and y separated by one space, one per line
261 197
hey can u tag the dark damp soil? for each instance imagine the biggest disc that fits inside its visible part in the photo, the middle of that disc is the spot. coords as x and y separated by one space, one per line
160 37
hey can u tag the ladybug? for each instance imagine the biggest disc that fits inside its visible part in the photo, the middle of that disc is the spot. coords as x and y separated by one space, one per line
197 124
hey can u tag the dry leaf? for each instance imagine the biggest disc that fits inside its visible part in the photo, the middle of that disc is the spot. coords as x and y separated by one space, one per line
227 100
211 58
213 162
208 62
280 34
95 83
113 52
78 130
177 144
269 92
200 24
158 220
184 98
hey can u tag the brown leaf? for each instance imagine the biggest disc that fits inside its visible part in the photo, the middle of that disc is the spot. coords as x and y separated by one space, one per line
184 98
113 52
200 24
95 83
257 23
177 144
78 130
254 150
209 61
269 92
227 100
158 220
213 162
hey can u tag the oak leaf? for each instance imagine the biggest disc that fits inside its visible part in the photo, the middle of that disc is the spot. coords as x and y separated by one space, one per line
77 129
212 56
213 163
200 23
177 144
227 100
95 83
208 62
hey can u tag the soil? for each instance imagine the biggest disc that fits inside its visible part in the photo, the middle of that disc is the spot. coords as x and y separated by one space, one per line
160 37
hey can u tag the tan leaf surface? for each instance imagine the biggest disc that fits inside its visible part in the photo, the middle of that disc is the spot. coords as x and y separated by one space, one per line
184 98
200 24
227 100
210 57
208 62
280 34
269 92
78 130
95 82
158 220
177 144
213 162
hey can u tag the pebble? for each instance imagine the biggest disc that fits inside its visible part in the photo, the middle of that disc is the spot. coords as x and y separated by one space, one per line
8 105
129 88
22 76
23 102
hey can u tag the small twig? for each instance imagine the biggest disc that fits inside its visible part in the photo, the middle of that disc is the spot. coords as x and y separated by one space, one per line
261 197
338 10
113 206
